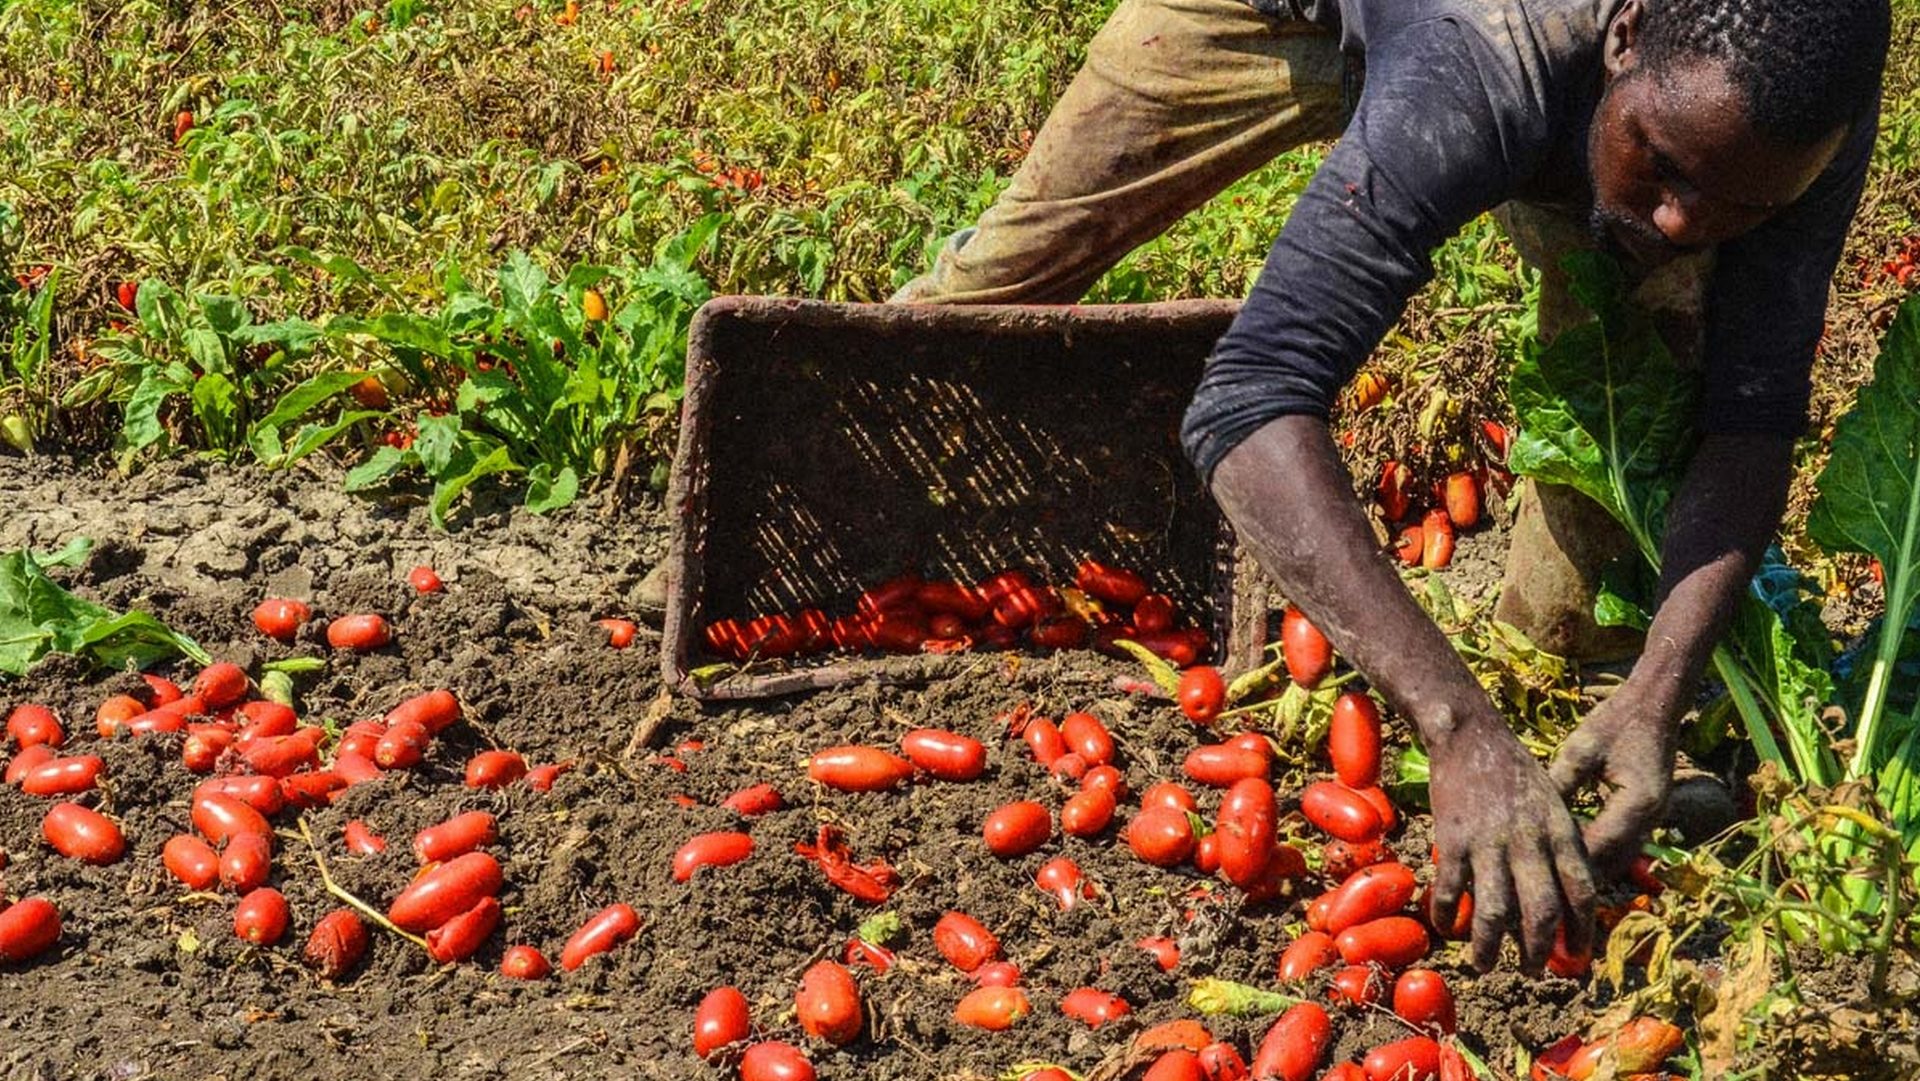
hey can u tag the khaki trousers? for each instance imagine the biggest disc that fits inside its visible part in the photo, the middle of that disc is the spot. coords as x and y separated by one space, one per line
1177 100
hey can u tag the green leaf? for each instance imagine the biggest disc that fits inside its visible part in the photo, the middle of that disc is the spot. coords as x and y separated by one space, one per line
215 400
1164 675
38 617
437 443
547 491
1869 502
311 437
448 490
521 286
140 425
1604 408
381 465
295 403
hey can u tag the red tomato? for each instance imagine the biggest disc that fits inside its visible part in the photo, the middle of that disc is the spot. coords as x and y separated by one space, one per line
362 841
278 756
1222 1062
1408 548
953 599
1345 1071
462 936
1564 963
1165 952
1353 740
1376 798
1178 1064
948 756
855 768
710 850
1416 1058
775 1061
1017 828
755 800
401 747
1307 954
992 1008
28 760
261 917
541 778
495 769
434 711
1110 584
221 684
1394 492
31 725
964 941
1340 811
190 860
28 928
1069 768
445 892
1368 894
1463 500
1044 740
1161 836
720 1020
1391 941
1356 985
1292 1049
1206 853
220 817
997 974
245 862
262 718
1220 764
423 579
1308 654
359 633
1339 859
1088 738
1248 818
457 836
204 745
62 776
1094 1007
82 834
281 617
523 962
1061 879
1202 693
1105 778
828 1003
1154 613
1087 812
1184 1033
115 713
315 789
1167 794
337 943
1436 549
1421 998
621 632
606 929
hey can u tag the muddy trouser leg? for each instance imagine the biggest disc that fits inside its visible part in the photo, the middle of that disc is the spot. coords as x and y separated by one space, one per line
1561 540
1177 100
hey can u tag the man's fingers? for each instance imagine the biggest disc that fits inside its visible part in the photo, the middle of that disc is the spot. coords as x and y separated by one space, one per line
1449 883
1537 885
1576 885
1492 904
1579 762
1614 836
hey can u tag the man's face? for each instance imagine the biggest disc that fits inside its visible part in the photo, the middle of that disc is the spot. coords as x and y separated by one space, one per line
1677 166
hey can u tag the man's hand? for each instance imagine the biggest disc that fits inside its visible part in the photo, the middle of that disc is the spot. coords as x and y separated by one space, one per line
1629 744
1499 823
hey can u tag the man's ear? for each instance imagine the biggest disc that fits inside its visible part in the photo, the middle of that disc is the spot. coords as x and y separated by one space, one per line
1623 33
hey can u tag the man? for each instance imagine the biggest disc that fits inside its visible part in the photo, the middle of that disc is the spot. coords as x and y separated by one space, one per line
1719 146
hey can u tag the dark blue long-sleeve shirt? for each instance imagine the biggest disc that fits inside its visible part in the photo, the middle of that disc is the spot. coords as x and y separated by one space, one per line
1468 104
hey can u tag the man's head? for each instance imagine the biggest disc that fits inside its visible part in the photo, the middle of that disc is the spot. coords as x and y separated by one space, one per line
1718 113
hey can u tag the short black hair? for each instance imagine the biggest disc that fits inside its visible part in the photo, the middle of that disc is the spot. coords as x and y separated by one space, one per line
1806 67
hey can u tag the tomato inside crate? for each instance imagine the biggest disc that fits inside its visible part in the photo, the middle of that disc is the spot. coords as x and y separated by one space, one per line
829 450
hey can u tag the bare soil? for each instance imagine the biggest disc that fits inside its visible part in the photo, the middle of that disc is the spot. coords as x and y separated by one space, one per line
149 981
